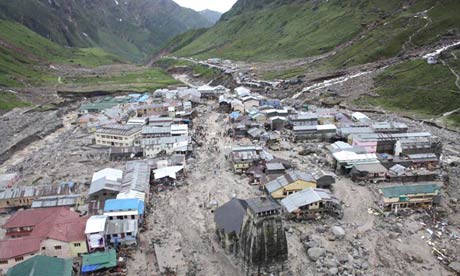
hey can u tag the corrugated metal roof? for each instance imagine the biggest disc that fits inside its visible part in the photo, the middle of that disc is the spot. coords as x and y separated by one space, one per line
305 197
99 260
34 191
397 191
136 177
117 129
290 177
115 205
55 201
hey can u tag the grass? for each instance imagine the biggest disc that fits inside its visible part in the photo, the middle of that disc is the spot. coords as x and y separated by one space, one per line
9 101
284 31
25 57
142 79
417 87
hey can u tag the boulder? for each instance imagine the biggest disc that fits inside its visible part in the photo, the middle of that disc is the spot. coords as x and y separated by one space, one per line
455 266
333 271
315 253
339 232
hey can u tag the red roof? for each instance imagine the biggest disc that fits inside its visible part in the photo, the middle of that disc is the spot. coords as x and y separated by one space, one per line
18 247
57 223
32 217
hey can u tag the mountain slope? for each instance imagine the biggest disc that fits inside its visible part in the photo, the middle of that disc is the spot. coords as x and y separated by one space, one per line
129 28
212 16
365 30
25 56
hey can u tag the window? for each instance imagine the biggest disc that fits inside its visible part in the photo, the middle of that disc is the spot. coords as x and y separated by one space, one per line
43 248
19 259
133 217
4 262
115 235
77 244
57 247
128 234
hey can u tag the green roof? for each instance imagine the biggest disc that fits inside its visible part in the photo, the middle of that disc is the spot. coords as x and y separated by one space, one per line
398 191
42 266
99 260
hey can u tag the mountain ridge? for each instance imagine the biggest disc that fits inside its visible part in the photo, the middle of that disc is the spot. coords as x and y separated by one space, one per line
131 29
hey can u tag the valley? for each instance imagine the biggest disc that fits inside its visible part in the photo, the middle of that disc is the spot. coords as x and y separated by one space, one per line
280 138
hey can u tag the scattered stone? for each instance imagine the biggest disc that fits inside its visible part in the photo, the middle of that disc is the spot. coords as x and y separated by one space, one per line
333 271
315 253
339 232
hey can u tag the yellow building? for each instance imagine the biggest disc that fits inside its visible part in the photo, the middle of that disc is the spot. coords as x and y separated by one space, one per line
289 183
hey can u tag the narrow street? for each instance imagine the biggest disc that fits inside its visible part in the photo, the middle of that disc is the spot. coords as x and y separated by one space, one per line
181 224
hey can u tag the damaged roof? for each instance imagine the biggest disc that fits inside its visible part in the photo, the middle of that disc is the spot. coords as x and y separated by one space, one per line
290 177
306 197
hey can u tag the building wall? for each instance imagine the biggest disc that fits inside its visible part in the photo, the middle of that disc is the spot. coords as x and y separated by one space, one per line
292 188
16 202
55 248
116 140
78 247
12 262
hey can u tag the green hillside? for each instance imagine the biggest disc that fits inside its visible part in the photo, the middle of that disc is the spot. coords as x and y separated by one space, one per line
366 30
421 88
274 30
131 29
25 56
404 31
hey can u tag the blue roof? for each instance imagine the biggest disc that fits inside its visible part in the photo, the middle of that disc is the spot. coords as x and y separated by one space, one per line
234 114
143 99
114 205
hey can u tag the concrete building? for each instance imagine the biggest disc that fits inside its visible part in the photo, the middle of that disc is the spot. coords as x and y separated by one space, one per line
409 196
167 145
304 119
118 135
122 232
55 232
124 209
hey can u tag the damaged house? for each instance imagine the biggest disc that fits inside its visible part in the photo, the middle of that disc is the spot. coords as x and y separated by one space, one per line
244 157
289 183
308 203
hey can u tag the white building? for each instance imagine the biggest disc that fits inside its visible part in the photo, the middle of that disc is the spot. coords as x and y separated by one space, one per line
168 145
117 135
95 232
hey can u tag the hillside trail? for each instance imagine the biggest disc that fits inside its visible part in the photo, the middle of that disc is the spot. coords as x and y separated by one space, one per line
423 15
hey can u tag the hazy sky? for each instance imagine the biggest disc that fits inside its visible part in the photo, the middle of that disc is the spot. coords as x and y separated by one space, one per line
215 5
